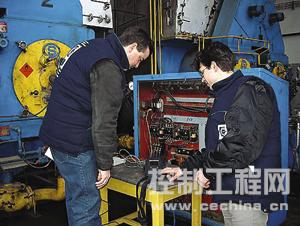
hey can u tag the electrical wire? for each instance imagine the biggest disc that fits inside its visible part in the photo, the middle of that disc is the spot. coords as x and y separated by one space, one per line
194 110
174 217
37 167
112 222
7 141
9 116
103 212
43 109
184 108
31 164
130 160
19 116
102 200
241 27
148 127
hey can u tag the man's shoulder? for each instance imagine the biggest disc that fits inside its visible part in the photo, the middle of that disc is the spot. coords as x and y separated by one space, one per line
253 80
254 92
106 63
256 84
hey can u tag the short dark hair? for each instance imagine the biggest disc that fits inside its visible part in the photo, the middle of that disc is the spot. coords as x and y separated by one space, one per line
138 35
217 52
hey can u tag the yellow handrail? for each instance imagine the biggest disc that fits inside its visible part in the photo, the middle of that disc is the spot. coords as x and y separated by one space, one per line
159 33
151 31
200 38
154 39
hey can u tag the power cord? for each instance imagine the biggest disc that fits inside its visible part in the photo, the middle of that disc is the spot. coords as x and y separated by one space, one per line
130 160
110 222
33 164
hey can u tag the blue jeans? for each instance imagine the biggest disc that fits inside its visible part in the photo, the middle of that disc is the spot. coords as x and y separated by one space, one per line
82 196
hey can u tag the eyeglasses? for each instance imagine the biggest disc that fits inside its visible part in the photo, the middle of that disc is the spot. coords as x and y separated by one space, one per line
202 71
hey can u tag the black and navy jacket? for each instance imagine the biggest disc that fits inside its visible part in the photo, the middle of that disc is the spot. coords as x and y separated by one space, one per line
68 120
242 131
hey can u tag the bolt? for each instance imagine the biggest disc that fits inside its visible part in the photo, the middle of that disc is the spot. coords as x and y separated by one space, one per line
106 6
90 17
100 19
107 19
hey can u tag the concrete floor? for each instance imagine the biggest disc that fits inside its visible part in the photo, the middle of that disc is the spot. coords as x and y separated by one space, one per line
54 213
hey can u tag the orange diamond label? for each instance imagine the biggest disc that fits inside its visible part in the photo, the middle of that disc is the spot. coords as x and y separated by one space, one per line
26 70
4 131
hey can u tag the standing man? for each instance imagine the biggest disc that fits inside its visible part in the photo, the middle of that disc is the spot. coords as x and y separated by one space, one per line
81 119
242 132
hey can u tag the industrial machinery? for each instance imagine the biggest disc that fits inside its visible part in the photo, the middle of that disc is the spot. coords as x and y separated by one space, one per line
249 28
34 38
171 112
172 115
172 104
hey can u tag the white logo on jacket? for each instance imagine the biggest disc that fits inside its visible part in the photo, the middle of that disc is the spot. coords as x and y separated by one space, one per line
222 131
63 61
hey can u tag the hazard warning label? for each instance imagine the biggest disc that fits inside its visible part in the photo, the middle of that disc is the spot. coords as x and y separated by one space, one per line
26 70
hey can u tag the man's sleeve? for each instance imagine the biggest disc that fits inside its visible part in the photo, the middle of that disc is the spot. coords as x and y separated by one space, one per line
248 123
106 100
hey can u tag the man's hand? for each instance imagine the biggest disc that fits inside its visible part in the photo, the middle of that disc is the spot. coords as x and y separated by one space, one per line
202 180
173 173
103 177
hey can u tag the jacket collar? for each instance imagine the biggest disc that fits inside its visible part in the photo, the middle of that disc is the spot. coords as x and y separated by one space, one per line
118 49
222 85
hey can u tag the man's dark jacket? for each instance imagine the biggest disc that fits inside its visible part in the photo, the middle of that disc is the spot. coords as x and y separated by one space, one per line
85 98
242 130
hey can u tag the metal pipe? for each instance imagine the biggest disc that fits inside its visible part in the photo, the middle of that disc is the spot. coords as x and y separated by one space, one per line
154 34
159 34
151 30
16 196
296 164
57 194
265 42
237 37
246 53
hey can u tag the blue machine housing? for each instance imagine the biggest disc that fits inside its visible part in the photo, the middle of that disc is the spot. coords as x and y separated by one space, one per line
232 24
244 35
59 20
281 90
234 20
